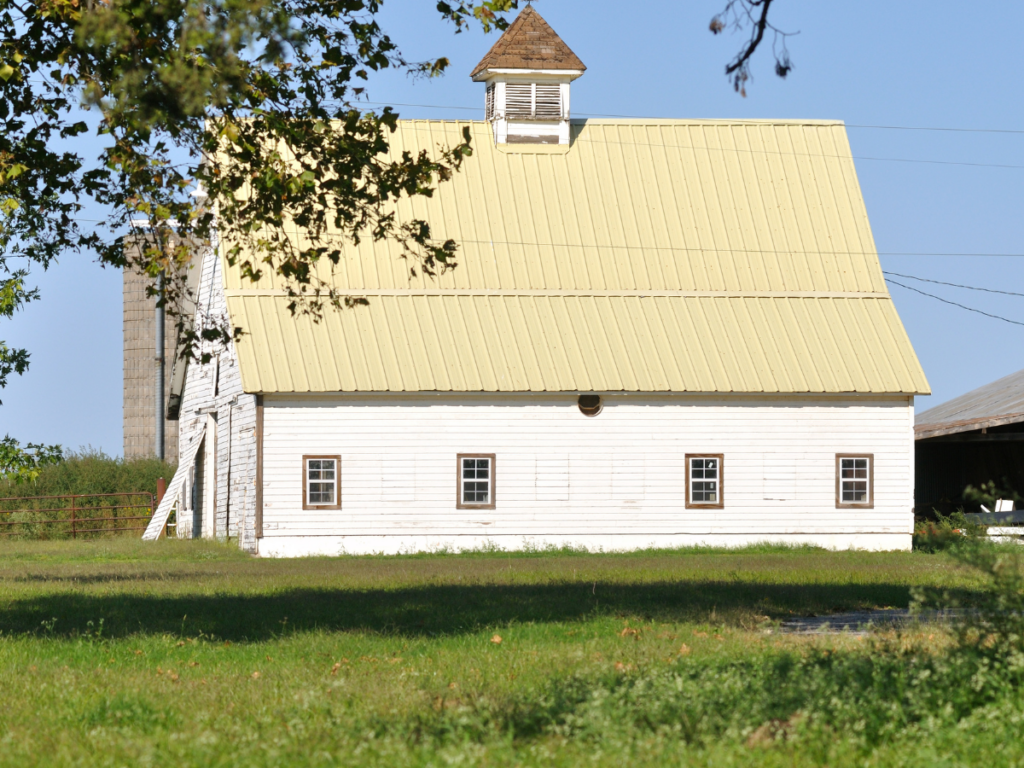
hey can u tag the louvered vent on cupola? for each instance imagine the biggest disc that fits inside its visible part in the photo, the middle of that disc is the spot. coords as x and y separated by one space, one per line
537 101
489 110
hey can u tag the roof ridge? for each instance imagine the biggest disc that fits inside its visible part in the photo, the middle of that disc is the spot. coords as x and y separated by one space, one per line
642 293
763 121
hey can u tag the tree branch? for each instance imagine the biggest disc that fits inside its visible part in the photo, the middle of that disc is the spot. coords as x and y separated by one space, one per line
755 39
738 14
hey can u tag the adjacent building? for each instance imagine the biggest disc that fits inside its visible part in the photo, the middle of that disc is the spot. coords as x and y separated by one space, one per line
971 440
141 369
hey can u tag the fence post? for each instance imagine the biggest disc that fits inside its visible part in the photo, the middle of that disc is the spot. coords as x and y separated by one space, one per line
73 533
161 489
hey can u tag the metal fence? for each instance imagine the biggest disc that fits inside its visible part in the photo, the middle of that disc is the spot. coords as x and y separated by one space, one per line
75 515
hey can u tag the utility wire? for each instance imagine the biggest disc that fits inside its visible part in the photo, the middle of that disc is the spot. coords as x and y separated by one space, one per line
929 128
731 120
779 152
645 117
955 304
953 285
610 246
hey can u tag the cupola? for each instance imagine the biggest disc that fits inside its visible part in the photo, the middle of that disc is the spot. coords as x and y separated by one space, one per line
527 73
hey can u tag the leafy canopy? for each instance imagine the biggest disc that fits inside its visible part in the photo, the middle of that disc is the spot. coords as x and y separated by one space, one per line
257 101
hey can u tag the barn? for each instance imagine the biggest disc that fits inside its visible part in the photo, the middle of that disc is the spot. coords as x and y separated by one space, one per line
974 440
660 333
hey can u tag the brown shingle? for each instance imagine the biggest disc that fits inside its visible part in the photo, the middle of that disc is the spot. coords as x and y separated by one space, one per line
529 43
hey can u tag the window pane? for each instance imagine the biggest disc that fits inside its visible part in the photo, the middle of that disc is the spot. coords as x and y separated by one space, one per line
321 493
475 468
475 492
476 481
855 491
854 476
320 479
704 476
704 493
704 468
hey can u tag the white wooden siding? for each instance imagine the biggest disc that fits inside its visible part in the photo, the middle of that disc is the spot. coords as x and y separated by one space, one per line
235 416
562 476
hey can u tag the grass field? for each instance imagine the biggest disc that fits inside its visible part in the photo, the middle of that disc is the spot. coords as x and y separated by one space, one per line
191 653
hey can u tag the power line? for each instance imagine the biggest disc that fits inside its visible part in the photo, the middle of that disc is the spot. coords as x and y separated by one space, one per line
955 304
929 128
944 129
805 154
782 153
954 285
731 120
868 158
699 249
965 255
606 246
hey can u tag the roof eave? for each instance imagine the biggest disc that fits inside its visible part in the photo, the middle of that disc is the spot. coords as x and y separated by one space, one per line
486 74
940 429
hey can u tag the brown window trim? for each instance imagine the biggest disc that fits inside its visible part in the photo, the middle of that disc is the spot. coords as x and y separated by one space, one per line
337 483
840 504
721 480
458 480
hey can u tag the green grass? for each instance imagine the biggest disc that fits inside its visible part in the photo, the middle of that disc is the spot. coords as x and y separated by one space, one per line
190 653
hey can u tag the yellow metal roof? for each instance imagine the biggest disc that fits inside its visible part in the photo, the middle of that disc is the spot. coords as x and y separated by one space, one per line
661 256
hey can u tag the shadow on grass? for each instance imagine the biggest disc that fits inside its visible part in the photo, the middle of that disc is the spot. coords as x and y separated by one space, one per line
436 610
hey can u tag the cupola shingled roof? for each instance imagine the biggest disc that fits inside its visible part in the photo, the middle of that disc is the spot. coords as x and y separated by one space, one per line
529 43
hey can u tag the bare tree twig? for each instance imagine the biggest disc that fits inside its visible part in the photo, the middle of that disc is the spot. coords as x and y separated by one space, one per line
739 14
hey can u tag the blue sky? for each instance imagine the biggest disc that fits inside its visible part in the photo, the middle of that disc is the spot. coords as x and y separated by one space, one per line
911 64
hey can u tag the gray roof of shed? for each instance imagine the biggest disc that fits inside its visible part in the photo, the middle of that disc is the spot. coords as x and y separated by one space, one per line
1001 402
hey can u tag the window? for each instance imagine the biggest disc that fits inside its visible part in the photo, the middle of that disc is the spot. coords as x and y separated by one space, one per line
704 480
489 102
855 476
476 481
321 487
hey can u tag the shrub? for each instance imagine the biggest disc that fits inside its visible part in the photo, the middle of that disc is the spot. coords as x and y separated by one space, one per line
84 473
945 532
91 471
988 493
